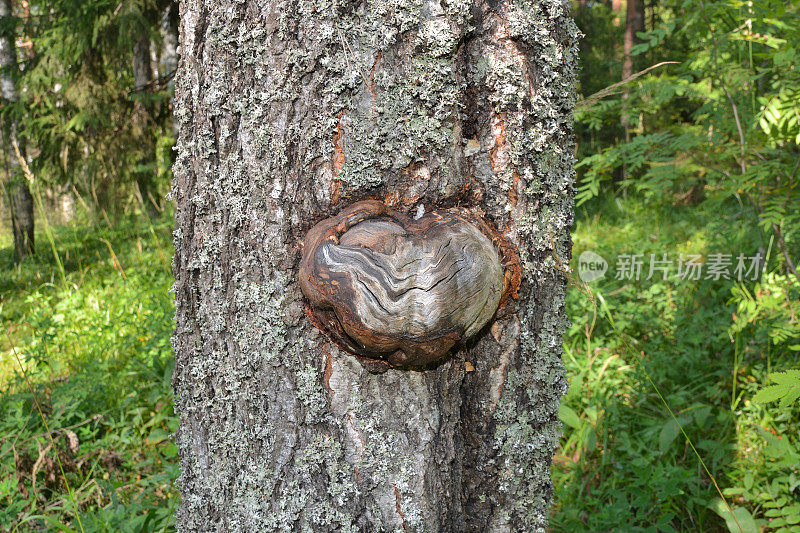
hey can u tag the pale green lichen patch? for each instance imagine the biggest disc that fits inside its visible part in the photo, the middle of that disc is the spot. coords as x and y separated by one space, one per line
398 110
309 390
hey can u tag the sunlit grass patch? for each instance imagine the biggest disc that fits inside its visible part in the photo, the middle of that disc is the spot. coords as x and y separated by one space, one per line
97 354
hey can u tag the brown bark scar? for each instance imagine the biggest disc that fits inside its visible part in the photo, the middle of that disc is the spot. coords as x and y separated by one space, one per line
358 440
326 374
371 83
513 192
392 199
397 500
338 159
497 153
499 373
499 133
417 178
498 158
497 331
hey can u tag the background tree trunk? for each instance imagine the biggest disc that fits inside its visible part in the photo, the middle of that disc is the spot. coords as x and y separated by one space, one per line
169 32
289 111
21 208
169 56
18 195
143 117
633 24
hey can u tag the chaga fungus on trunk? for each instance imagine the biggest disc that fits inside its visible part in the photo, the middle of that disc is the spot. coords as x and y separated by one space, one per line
400 292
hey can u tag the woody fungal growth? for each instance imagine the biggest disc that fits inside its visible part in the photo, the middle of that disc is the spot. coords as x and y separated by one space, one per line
399 292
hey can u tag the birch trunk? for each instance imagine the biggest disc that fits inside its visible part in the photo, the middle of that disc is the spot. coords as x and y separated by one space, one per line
290 110
18 194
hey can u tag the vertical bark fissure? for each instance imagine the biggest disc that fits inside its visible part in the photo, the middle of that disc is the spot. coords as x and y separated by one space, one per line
18 194
288 111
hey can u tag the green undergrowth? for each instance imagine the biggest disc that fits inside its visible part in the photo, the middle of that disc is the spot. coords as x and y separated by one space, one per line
97 364
625 464
96 352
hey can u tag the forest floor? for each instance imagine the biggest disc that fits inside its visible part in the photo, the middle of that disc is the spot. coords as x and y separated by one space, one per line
96 354
659 410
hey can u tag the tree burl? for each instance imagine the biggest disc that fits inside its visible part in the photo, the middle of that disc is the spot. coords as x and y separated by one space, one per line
401 292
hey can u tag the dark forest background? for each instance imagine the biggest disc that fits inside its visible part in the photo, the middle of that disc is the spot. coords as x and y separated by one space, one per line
683 359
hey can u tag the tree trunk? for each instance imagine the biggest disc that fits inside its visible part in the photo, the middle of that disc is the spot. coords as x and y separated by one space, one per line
143 119
169 29
633 24
21 207
18 195
290 111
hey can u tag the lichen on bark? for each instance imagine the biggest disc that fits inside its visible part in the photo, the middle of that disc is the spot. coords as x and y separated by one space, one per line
288 111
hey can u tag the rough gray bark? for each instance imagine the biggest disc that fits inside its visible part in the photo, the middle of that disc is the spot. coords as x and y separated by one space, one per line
18 195
290 110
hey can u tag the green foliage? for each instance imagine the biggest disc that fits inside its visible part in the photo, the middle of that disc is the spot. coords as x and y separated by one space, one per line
625 463
98 357
736 518
725 119
786 389
770 307
83 122
700 157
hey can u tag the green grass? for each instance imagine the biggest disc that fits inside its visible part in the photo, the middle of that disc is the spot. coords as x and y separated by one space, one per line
624 463
98 357
99 362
